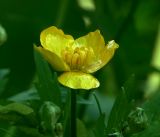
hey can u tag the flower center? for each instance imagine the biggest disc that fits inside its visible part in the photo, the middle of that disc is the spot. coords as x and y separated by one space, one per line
75 58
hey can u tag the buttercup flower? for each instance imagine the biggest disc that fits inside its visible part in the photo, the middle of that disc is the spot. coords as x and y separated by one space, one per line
76 58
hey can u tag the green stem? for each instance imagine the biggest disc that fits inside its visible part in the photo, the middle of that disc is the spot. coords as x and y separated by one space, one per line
73 114
67 121
98 104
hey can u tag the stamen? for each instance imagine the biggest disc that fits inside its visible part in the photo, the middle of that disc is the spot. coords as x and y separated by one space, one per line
77 49
68 58
82 57
74 61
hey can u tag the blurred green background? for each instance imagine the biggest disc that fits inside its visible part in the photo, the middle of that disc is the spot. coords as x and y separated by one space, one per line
133 24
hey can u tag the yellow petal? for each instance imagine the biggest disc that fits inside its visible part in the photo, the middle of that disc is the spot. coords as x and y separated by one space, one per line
94 42
78 80
56 62
55 40
106 55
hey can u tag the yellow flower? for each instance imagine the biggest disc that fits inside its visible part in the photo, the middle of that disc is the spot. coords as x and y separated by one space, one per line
76 58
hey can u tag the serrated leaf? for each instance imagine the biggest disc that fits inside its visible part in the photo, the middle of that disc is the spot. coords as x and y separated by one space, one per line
47 87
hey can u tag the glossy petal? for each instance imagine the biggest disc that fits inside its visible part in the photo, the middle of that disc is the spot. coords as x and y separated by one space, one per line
108 52
55 40
106 55
78 57
94 42
56 62
78 80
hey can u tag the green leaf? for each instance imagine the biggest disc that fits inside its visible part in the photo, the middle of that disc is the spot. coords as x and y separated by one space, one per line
47 86
16 107
99 129
151 131
81 129
29 132
129 87
122 106
30 94
18 113
119 112
151 108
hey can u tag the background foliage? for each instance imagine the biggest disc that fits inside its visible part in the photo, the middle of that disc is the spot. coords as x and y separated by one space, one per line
133 24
